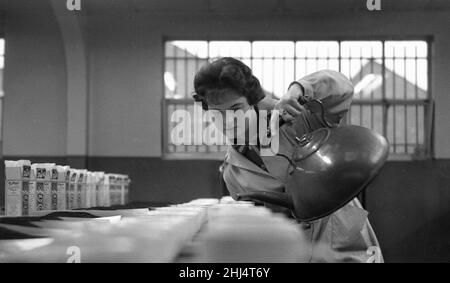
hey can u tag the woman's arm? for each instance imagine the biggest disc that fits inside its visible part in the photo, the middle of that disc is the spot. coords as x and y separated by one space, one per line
267 103
331 87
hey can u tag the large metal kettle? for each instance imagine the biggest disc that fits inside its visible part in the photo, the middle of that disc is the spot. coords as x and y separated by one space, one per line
329 167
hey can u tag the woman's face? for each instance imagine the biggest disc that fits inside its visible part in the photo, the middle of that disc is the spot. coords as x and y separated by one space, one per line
228 103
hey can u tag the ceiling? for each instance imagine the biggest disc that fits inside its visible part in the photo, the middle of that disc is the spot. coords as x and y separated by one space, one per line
264 6
240 7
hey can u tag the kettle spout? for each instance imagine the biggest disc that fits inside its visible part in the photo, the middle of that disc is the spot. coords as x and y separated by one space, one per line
276 198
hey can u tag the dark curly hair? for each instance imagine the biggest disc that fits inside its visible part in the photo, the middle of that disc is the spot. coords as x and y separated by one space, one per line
226 73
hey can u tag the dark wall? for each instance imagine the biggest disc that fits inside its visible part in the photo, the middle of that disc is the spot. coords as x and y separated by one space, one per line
409 206
158 180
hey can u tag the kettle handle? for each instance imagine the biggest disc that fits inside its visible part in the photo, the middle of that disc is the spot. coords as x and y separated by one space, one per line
310 105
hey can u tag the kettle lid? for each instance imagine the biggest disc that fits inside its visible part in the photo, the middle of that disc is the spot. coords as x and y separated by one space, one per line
309 143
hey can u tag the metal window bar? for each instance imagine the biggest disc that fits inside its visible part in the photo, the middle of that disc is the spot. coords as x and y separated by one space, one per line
2 59
391 107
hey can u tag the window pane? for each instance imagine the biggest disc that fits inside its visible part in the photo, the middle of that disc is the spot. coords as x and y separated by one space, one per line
319 49
365 49
313 56
236 49
274 74
407 59
406 49
183 60
361 63
1 75
2 63
187 49
270 49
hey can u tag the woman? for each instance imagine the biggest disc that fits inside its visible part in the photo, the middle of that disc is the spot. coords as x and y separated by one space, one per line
228 84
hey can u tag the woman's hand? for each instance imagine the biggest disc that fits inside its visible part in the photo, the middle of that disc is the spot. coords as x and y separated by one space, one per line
288 106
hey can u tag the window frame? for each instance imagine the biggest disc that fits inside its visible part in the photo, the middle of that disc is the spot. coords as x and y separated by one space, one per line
428 103
2 92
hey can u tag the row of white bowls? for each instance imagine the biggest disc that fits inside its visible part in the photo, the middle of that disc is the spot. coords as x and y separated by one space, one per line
225 231
242 232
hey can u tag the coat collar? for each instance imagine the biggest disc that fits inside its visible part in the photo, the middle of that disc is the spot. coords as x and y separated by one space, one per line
235 158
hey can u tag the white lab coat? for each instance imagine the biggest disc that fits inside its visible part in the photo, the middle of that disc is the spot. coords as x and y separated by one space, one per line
344 236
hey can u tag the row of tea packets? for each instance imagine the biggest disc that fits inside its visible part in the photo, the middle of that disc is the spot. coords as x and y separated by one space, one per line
30 188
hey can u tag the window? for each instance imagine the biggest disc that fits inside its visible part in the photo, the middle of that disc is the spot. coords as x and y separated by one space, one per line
2 63
391 79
